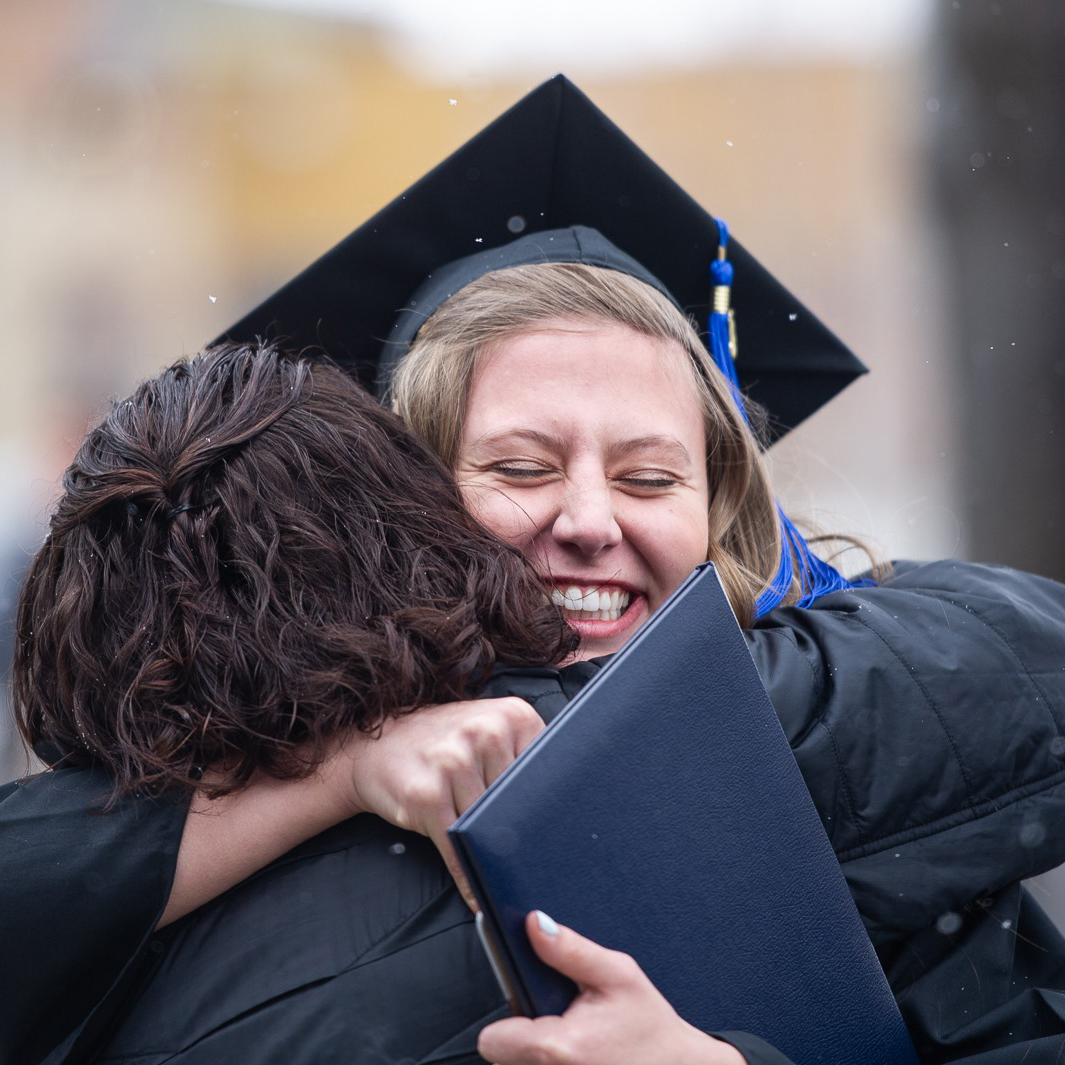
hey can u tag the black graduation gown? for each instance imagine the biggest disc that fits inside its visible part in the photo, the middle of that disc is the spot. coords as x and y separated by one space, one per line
79 893
928 718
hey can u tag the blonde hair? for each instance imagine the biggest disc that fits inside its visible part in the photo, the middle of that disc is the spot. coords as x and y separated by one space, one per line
432 381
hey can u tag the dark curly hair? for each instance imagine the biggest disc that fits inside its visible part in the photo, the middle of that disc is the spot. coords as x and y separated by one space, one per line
251 556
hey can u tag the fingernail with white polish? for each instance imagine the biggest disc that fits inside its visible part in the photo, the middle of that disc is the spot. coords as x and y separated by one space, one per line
547 926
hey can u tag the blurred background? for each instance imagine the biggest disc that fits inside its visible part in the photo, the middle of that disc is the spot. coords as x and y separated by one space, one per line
166 165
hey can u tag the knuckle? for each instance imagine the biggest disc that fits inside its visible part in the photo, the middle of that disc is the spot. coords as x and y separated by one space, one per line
499 722
624 966
517 711
488 734
451 754
557 1049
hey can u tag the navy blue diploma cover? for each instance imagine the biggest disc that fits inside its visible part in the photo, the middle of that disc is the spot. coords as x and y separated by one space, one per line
662 813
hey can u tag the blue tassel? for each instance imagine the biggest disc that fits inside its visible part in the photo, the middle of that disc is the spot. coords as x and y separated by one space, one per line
816 577
722 329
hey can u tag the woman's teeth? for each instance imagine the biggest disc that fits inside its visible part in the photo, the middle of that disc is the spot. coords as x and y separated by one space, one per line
591 604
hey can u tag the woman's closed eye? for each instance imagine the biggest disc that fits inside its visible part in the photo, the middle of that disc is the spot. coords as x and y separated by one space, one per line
649 480
520 471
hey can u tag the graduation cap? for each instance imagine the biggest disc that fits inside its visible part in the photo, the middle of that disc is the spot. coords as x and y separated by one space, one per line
552 162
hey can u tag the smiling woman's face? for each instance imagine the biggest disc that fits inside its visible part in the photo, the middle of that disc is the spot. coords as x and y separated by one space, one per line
584 446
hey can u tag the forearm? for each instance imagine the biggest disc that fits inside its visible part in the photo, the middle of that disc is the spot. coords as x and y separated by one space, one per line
227 839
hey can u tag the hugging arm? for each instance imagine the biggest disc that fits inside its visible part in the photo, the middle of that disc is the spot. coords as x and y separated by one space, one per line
82 891
940 788
419 773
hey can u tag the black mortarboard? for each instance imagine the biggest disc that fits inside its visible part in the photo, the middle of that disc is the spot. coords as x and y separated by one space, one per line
553 161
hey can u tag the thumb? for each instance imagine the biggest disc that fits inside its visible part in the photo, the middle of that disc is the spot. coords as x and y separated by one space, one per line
587 964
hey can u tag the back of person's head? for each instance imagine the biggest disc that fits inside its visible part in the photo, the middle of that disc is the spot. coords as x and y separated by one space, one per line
251 556
432 383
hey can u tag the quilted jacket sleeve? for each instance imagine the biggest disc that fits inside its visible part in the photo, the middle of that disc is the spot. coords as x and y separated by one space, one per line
928 719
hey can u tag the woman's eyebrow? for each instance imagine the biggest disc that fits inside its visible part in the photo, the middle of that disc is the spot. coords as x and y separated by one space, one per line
499 437
668 446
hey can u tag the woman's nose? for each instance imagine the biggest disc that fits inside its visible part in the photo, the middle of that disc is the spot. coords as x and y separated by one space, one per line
586 520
